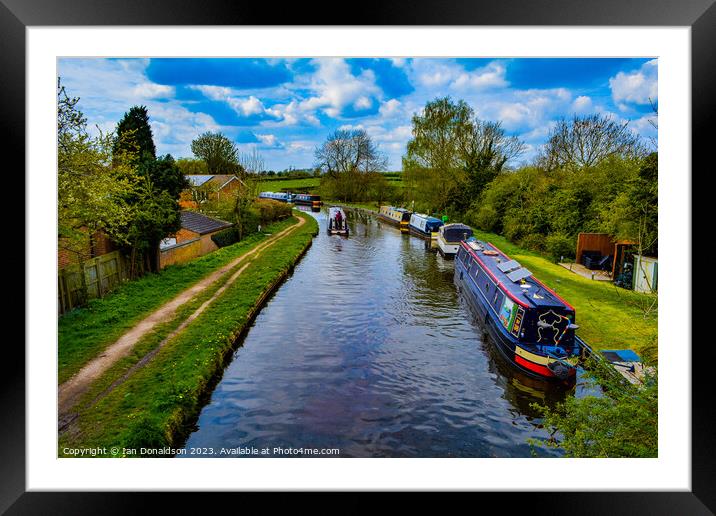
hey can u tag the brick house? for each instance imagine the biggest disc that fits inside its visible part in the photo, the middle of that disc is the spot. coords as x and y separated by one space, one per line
97 245
192 240
208 187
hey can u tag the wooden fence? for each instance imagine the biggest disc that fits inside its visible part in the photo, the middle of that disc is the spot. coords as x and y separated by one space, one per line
102 275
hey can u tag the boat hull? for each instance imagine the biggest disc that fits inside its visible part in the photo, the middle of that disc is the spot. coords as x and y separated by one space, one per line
520 356
447 249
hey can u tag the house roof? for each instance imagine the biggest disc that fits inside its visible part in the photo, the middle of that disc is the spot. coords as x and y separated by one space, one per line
199 223
218 180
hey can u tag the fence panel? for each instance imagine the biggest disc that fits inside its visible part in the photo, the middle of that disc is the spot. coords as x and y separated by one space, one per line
102 275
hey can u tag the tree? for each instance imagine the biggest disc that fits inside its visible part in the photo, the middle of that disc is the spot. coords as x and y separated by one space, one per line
190 166
351 165
218 152
134 134
92 190
586 141
252 162
622 422
432 167
453 155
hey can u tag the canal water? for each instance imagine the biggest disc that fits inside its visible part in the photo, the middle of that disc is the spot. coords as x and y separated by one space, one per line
369 348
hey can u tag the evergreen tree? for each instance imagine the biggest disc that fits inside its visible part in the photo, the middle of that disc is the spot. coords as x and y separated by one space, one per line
134 134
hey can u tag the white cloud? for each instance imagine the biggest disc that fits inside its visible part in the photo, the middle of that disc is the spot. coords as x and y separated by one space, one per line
430 74
390 107
637 86
582 104
269 140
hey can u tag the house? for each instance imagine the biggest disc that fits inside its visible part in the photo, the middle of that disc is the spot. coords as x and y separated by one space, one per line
192 240
207 187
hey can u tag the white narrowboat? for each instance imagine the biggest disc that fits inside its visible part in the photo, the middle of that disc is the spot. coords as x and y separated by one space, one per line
450 236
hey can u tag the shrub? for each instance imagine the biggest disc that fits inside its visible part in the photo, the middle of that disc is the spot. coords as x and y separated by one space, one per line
225 237
268 210
534 241
558 245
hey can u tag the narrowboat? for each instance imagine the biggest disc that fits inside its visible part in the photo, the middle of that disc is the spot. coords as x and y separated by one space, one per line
276 196
532 327
312 200
337 223
397 216
450 236
424 226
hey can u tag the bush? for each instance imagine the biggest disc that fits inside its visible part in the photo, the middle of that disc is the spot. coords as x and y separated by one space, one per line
225 237
534 241
268 210
559 245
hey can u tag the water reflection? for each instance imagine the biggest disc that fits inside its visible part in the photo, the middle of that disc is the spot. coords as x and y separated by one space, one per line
369 348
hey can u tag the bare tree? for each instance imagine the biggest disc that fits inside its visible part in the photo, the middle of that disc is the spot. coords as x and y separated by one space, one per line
349 151
252 162
587 141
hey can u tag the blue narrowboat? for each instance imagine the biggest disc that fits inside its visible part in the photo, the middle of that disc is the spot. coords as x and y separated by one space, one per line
424 226
276 196
304 199
530 325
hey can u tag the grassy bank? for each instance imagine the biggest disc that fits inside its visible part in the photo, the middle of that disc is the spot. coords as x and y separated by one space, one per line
84 332
276 185
155 405
609 317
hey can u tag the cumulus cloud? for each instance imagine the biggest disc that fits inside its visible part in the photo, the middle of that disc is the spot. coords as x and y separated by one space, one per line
582 104
637 86
455 77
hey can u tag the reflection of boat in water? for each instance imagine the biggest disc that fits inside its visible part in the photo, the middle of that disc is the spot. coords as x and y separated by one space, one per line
397 216
531 326
337 224
450 236
520 389
424 226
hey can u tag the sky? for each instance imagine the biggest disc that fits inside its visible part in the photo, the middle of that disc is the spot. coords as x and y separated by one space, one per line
285 108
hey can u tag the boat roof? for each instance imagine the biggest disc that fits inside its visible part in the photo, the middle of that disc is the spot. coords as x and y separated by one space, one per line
455 225
513 278
428 217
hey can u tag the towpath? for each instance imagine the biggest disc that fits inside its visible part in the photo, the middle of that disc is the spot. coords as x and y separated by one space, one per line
70 392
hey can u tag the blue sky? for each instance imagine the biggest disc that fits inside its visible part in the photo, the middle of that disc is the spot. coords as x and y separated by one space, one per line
287 107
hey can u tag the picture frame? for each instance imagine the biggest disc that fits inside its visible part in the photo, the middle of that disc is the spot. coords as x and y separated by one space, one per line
700 15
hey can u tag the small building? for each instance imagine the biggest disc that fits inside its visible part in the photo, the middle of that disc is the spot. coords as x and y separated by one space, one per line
206 187
646 276
192 240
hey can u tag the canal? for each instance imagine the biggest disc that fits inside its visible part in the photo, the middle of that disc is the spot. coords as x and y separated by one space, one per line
368 348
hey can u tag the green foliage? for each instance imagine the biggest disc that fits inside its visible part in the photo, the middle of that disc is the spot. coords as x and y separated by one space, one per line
453 155
134 134
621 423
559 245
269 210
192 167
218 152
225 237
618 196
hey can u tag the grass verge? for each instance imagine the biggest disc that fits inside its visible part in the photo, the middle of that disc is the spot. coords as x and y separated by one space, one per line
84 332
155 407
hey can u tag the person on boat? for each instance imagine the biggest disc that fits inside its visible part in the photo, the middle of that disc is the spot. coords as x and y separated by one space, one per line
339 220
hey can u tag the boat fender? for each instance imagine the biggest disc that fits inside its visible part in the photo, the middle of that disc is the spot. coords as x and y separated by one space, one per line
559 370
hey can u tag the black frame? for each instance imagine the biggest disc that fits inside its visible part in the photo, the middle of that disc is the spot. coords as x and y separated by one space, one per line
700 15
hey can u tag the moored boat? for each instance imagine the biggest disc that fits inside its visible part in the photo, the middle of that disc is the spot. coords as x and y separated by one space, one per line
424 226
531 326
304 199
450 236
397 216
337 223
277 196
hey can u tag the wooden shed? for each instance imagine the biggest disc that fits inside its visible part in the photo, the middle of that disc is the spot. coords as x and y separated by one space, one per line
605 245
